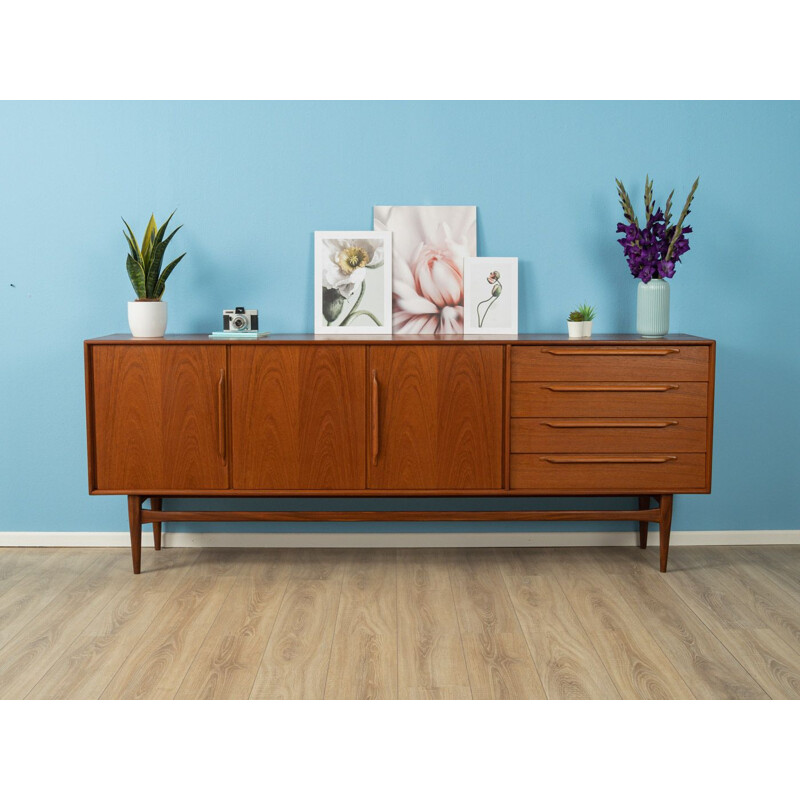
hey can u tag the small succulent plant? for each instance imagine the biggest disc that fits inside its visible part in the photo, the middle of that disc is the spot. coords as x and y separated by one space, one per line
587 312
144 263
575 316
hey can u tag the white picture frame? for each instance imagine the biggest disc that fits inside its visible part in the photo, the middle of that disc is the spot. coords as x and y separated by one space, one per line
488 310
352 282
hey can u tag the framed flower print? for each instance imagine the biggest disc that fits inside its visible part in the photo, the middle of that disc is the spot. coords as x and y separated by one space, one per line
491 295
353 282
429 245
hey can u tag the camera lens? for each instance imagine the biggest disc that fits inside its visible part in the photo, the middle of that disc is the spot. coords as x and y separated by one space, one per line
238 322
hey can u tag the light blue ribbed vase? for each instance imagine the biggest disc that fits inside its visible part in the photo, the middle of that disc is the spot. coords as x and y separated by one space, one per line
652 308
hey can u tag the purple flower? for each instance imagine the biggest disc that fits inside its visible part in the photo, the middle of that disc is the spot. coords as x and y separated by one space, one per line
646 248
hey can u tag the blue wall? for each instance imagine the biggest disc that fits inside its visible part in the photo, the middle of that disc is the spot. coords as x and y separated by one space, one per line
252 181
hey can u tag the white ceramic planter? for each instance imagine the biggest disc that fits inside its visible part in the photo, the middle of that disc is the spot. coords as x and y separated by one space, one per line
147 318
587 329
575 329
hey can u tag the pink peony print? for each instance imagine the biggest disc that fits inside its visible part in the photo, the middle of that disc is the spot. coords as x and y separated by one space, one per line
428 288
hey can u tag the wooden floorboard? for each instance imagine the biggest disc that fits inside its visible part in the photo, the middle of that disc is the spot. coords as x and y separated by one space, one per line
702 661
565 657
161 658
566 623
295 662
499 662
227 663
37 589
363 662
45 639
86 668
430 657
638 666
700 580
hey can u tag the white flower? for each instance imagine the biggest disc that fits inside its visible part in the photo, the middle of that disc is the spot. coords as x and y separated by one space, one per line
348 260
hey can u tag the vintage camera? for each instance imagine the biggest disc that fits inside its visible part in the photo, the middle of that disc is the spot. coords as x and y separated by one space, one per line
240 319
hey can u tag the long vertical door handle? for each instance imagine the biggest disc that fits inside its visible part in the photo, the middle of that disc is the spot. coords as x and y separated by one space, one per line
375 418
221 440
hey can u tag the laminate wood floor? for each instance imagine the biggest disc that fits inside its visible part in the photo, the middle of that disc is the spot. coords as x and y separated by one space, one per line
555 623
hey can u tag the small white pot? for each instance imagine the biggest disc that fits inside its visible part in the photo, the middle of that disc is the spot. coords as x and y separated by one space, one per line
147 318
575 329
587 329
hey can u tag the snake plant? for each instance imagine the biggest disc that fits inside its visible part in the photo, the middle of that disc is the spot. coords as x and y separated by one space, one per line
144 263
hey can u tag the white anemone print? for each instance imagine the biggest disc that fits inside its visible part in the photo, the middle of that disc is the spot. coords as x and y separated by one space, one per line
352 279
429 247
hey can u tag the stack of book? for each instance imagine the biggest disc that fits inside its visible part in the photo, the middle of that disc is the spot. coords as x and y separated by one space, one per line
238 334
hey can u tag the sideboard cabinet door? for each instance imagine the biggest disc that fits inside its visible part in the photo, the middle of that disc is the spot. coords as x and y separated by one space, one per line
298 417
159 417
436 417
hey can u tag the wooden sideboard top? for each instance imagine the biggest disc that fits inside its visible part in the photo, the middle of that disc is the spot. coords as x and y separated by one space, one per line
310 338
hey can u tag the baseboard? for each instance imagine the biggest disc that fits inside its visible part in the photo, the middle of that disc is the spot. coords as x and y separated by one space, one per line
421 539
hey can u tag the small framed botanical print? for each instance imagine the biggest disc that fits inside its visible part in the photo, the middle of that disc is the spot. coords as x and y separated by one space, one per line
353 282
491 295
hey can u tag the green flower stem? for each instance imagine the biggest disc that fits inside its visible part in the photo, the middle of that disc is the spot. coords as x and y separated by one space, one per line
354 314
490 301
356 304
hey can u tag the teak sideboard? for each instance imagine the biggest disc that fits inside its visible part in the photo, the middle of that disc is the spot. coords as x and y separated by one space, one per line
399 416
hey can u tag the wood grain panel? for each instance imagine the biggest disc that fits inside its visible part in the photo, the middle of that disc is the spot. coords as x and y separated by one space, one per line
31 653
608 435
161 658
635 662
19 563
701 660
747 635
724 621
431 663
440 417
157 417
780 563
226 665
619 399
499 662
92 660
593 362
363 662
777 606
565 658
27 597
619 472
298 417
295 663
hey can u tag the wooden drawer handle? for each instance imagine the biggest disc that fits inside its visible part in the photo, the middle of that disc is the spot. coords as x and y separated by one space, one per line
221 443
608 387
628 424
608 459
375 420
612 351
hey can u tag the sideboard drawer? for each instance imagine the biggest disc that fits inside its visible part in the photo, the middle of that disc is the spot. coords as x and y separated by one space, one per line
612 435
617 399
621 472
609 363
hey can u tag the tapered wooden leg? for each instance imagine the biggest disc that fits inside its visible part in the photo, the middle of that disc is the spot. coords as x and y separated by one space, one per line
155 505
644 504
664 527
135 522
